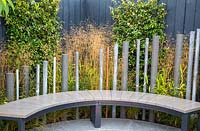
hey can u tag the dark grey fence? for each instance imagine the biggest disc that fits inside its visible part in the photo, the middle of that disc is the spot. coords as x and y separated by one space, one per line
183 15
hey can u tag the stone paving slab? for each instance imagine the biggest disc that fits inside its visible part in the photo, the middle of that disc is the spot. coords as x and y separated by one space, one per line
107 125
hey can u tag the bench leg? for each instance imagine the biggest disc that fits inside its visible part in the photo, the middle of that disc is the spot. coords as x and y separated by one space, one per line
198 125
185 122
96 116
21 125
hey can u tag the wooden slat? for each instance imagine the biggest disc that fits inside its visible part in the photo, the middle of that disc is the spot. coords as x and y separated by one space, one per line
102 12
66 14
197 15
25 107
108 13
170 18
189 16
180 16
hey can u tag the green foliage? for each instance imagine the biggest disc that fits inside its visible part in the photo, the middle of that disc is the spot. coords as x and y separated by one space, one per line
138 21
33 32
5 5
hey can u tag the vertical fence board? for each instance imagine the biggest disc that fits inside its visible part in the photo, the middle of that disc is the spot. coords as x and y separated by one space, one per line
1 31
180 16
170 18
83 10
189 16
197 15
66 12
102 12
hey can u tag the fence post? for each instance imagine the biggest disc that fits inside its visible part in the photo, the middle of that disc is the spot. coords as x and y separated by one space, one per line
54 75
17 84
154 69
10 86
145 72
138 66
77 80
124 73
115 76
26 79
38 80
196 64
64 72
190 63
177 62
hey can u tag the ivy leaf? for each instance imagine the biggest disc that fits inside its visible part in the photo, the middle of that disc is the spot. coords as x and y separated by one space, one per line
4 3
11 4
6 10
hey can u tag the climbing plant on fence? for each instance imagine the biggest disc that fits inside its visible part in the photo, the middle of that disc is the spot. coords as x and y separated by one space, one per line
33 30
137 21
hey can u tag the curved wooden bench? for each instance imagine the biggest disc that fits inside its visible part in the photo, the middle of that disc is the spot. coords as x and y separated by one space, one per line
26 109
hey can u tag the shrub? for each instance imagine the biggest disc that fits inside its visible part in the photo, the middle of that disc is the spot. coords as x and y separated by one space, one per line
33 32
137 21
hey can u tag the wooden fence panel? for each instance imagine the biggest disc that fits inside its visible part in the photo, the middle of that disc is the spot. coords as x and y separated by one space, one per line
183 15
170 18
189 15
197 15
180 16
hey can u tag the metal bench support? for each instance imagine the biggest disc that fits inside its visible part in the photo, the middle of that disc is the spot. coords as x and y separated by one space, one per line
198 126
185 122
21 125
95 115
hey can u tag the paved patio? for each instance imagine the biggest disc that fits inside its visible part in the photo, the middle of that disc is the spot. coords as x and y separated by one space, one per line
107 125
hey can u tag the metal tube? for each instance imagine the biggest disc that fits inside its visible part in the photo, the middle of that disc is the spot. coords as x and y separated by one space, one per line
26 82
145 72
45 77
64 72
138 66
54 75
154 70
17 84
196 64
101 70
77 80
124 73
190 64
177 62
115 76
10 86
38 80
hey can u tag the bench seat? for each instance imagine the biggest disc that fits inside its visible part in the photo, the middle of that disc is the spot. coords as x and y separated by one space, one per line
24 110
